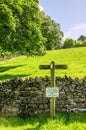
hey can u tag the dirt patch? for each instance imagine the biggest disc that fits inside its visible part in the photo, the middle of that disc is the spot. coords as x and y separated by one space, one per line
9 57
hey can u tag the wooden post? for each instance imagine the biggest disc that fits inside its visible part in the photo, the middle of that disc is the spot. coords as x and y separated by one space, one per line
52 100
52 67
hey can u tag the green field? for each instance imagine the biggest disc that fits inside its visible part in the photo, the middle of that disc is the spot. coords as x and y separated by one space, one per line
62 121
24 66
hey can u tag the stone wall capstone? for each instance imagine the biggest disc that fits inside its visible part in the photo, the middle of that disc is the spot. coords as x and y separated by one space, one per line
26 97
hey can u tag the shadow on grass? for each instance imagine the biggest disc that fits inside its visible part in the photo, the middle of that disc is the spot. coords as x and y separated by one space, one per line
71 117
39 121
36 123
5 68
10 76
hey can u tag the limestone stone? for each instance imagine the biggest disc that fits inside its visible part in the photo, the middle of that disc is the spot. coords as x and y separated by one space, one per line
27 97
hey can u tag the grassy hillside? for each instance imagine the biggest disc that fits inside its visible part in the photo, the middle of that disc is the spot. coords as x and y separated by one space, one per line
23 66
62 121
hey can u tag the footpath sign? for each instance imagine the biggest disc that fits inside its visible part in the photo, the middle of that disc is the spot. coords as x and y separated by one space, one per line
52 91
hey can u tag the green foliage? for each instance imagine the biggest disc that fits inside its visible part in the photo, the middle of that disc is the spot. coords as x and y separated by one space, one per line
79 43
62 121
23 66
7 25
68 43
84 43
20 26
82 38
52 32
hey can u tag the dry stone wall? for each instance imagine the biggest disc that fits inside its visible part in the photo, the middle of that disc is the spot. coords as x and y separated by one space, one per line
26 97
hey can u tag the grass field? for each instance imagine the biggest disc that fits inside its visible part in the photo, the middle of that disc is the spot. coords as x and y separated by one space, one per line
24 66
62 121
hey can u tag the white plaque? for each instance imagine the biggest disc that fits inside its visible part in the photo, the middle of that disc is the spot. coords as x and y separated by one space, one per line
52 92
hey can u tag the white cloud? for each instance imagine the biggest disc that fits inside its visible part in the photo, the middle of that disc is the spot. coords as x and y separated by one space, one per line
75 31
41 8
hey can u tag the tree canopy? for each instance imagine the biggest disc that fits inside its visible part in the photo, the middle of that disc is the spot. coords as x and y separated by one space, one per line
26 29
52 32
20 26
69 43
82 38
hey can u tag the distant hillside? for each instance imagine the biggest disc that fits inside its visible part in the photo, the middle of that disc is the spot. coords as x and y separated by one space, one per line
23 66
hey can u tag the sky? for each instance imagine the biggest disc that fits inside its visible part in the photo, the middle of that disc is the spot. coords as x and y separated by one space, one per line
70 14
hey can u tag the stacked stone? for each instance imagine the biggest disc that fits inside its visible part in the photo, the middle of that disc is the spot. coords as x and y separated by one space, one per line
32 97
72 95
27 97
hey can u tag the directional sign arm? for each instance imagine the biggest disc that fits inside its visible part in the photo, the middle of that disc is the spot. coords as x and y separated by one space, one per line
44 67
56 67
61 66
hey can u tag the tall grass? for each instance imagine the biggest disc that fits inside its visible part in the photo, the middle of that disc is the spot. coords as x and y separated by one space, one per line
24 66
62 121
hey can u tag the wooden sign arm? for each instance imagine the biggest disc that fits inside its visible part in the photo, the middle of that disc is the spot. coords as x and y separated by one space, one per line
61 66
56 66
44 67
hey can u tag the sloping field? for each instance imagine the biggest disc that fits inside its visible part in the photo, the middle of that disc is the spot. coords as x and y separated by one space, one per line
24 66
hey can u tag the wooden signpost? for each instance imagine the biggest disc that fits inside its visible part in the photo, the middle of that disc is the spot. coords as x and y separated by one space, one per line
52 91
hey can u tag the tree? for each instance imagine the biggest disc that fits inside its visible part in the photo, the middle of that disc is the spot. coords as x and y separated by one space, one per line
68 43
79 43
82 38
52 32
20 26
7 25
